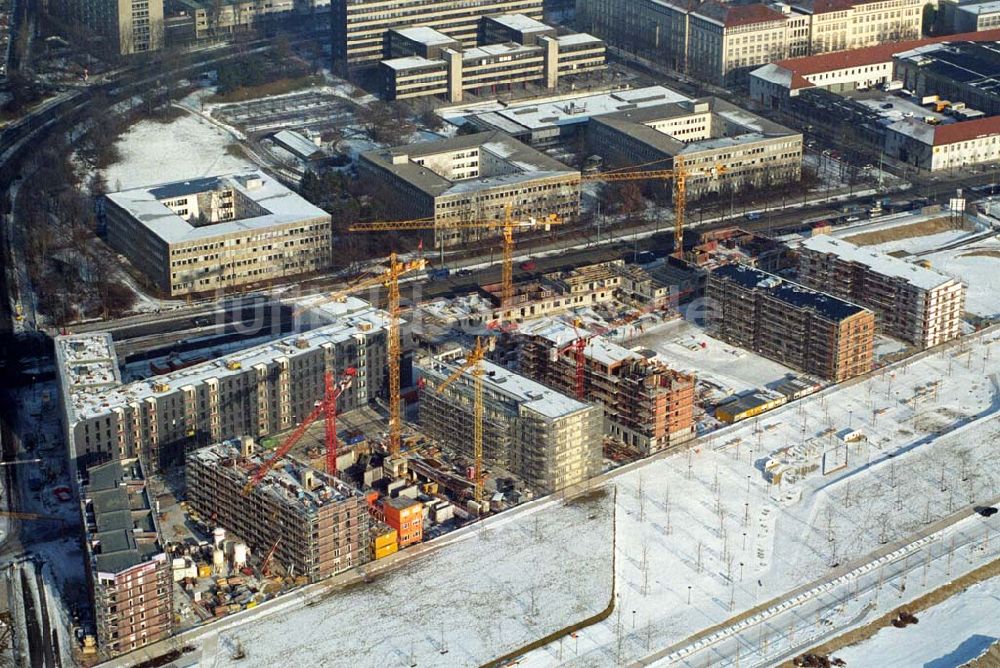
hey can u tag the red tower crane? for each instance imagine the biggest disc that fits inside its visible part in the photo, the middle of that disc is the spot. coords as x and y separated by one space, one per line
327 406
579 346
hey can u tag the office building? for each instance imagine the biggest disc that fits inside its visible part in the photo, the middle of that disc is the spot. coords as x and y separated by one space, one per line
313 524
124 27
359 27
260 391
128 572
965 72
470 178
546 439
912 303
719 42
427 63
706 134
803 328
218 232
544 124
647 406
772 85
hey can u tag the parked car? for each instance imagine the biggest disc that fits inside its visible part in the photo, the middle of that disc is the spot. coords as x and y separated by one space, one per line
528 265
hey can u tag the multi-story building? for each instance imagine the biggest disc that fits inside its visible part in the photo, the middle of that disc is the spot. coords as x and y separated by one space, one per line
647 405
912 303
259 391
218 232
725 40
470 178
958 70
197 19
126 27
942 147
706 134
359 27
315 524
128 571
805 329
406 517
545 438
773 85
978 16
720 41
426 62
543 124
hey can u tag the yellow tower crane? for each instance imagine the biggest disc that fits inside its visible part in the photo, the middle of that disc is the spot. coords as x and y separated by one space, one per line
679 174
472 361
390 280
508 224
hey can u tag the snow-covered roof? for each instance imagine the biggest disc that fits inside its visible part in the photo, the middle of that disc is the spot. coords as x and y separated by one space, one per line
281 206
562 334
424 35
520 23
523 163
297 143
94 385
525 392
578 109
577 38
880 263
412 63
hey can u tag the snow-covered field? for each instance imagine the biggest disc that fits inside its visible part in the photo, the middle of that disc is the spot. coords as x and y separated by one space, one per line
491 591
186 148
923 244
948 634
687 348
978 265
701 535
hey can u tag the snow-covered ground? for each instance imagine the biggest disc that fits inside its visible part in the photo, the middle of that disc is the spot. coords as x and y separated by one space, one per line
687 348
701 535
924 244
493 589
978 265
948 634
186 148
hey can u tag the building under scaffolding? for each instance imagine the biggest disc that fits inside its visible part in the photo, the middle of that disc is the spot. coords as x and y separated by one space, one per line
647 405
315 524
547 439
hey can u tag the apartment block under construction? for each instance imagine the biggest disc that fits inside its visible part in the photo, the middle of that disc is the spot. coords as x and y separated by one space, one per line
913 303
547 439
260 391
312 524
128 572
647 405
806 329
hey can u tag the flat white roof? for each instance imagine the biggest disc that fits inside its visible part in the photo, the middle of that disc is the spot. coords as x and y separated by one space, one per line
424 35
491 50
577 38
412 62
880 263
297 143
283 206
520 22
91 393
580 109
562 334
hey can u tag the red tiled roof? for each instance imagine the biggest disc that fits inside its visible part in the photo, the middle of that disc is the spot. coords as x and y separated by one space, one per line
738 15
871 55
966 130
742 15
830 6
